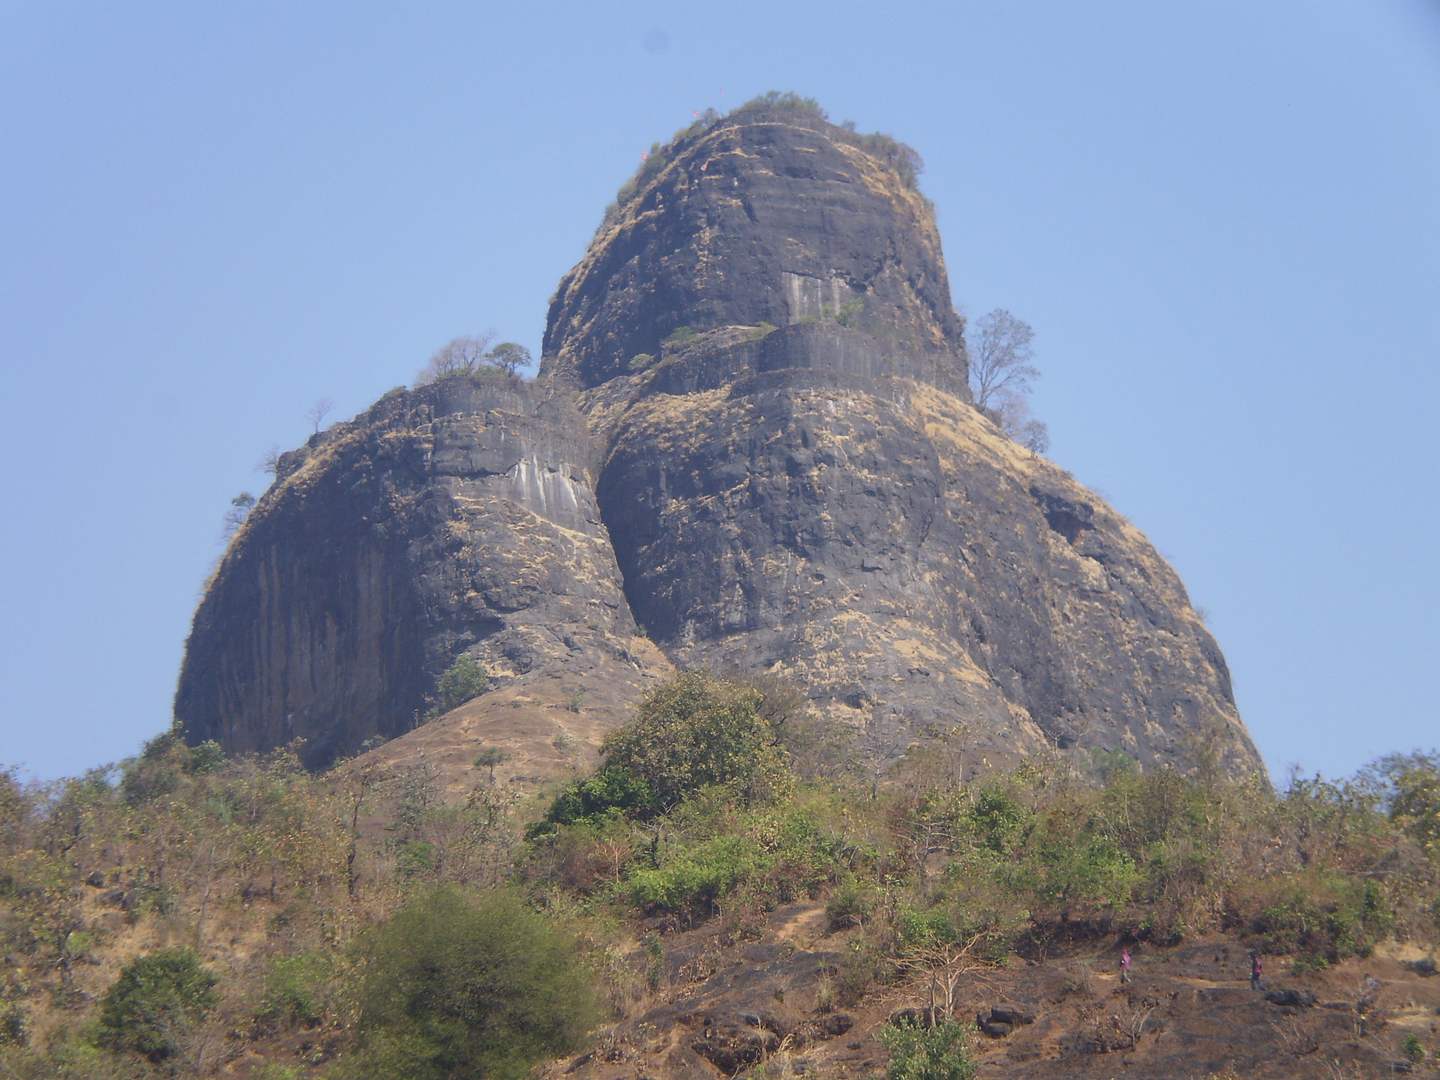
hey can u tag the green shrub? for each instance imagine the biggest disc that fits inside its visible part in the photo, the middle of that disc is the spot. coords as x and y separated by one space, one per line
941 1052
1412 1048
862 966
1415 799
1322 914
14 1024
697 730
465 679
654 961
158 770
680 335
998 820
917 929
611 789
294 991
783 101
691 881
455 985
207 757
1070 868
155 1001
905 160
850 904
71 1054
150 898
414 859
640 361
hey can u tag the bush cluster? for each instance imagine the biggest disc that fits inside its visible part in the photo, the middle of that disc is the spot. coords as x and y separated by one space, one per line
421 936
157 1000
786 105
455 985
463 680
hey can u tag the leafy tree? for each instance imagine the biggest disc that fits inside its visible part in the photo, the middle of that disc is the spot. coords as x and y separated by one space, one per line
508 357
469 986
696 730
465 679
1409 785
488 758
611 788
294 990
156 1000
14 810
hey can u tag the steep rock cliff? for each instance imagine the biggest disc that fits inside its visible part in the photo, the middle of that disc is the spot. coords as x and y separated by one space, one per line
458 517
752 437
795 482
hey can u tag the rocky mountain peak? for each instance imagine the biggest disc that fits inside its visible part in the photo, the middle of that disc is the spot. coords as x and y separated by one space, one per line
751 448
765 219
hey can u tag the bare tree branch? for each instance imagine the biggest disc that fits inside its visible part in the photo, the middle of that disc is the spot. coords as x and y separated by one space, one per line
270 461
240 507
461 356
1001 361
1001 373
317 413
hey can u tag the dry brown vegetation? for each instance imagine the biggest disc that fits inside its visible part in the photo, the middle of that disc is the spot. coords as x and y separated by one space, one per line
817 895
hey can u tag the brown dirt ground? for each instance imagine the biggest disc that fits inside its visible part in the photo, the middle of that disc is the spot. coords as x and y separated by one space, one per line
750 1003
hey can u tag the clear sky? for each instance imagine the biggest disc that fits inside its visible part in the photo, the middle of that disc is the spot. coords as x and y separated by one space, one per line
1222 219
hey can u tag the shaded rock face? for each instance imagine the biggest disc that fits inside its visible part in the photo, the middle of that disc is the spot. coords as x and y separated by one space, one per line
458 517
798 484
752 437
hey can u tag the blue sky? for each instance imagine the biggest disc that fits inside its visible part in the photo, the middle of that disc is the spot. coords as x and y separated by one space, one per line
1223 221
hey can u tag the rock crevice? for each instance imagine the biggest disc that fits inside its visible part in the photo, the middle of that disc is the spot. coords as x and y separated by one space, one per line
752 437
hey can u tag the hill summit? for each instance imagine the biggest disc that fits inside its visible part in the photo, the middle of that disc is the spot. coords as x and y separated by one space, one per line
750 447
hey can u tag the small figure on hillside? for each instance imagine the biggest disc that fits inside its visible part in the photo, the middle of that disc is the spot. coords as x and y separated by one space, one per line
1255 969
1124 965
1365 1003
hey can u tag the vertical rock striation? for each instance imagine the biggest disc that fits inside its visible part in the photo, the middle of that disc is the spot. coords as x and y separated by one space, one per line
763 341
457 517
752 436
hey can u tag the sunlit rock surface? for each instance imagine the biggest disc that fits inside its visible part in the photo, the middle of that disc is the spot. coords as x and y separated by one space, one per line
751 439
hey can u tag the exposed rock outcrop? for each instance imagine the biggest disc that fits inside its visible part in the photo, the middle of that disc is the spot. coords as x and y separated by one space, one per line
752 436
457 517
797 483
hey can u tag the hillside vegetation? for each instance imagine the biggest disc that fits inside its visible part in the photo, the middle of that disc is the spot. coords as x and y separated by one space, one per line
189 914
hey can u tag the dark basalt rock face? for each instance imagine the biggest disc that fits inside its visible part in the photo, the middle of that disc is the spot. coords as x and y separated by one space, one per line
761 221
752 436
797 483
458 517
